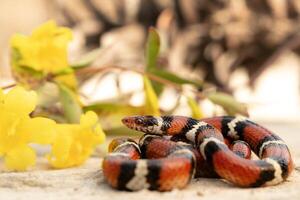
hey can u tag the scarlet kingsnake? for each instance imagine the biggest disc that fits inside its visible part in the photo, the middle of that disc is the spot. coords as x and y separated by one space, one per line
171 164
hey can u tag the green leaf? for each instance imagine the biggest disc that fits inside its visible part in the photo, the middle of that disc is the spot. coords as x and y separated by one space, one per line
229 104
195 109
174 78
112 112
103 108
65 71
152 49
87 59
157 87
122 131
152 52
70 104
151 100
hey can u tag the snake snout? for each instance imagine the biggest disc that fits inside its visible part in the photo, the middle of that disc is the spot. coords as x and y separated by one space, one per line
126 121
129 121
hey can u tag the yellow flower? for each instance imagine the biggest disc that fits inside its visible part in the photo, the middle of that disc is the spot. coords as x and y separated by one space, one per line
74 143
42 53
18 129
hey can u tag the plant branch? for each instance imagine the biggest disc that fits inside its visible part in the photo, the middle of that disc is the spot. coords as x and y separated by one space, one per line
8 86
94 70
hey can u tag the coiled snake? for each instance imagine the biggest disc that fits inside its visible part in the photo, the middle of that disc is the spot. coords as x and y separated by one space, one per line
175 149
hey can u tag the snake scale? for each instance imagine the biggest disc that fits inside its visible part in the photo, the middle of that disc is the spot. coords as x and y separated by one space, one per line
175 149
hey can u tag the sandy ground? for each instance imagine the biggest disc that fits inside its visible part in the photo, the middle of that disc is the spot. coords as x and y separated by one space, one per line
86 182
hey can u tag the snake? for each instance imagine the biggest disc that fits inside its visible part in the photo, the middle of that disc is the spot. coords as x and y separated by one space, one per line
176 149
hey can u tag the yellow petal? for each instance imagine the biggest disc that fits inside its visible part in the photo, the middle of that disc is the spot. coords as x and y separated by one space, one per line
74 143
69 80
44 29
10 137
78 154
1 95
93 136
2 150
100 134
1 99
91 130
90 118
50 29
45 50
40 130
61 148
18 40
20 101
20 158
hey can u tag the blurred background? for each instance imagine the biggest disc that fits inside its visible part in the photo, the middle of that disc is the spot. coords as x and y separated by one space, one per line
249 49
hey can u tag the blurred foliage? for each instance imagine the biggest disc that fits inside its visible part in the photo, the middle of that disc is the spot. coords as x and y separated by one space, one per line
70 104
195 108
152 49
213 38
86 59
230 105
151 101
62 101
152 52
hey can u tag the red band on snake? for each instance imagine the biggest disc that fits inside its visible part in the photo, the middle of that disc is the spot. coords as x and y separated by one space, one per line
207 135
172 164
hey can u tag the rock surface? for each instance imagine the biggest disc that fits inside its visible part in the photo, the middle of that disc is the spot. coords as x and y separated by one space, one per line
86 182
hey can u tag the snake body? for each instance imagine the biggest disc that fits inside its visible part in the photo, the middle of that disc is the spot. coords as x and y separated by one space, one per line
212 147
173 169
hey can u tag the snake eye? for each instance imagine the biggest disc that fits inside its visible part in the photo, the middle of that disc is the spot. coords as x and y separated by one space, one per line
151 122
139 121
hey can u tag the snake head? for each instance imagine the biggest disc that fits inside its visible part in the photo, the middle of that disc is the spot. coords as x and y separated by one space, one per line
146 124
